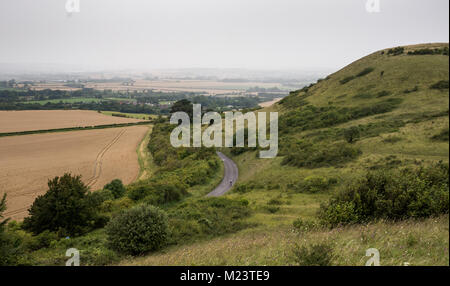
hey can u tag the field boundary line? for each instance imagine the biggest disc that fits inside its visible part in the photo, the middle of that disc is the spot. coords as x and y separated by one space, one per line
68 129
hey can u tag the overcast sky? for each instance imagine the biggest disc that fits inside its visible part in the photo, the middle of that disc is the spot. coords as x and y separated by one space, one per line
255 34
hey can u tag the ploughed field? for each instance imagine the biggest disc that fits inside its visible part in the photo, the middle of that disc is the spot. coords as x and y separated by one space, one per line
27 162
17 121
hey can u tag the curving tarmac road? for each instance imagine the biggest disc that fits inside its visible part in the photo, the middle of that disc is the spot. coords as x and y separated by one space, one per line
230 175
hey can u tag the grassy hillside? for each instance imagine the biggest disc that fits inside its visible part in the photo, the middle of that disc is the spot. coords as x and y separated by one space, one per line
387 111
362 163
400 133
414 242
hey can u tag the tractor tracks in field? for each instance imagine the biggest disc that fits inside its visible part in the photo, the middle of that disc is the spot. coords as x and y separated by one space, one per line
91 181
17 211
99 159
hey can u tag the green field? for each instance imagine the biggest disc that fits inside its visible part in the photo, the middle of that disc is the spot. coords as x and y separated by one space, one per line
68 100
121 99
80 99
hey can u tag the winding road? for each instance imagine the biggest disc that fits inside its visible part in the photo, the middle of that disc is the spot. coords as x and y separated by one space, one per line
229 178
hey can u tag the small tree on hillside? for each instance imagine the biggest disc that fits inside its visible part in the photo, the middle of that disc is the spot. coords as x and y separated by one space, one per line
116 187
351 134
64 208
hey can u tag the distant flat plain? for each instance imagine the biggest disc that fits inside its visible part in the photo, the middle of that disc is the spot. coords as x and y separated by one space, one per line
211 87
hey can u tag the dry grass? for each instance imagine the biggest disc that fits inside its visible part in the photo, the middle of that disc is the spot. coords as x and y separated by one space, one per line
416 242
146 164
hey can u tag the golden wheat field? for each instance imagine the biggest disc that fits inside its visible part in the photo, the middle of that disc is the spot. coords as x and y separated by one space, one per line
99 156
16 121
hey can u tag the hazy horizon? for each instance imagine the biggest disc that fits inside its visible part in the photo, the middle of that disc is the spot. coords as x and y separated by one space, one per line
242 34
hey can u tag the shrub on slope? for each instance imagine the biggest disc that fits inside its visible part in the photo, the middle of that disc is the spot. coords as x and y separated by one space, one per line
391 195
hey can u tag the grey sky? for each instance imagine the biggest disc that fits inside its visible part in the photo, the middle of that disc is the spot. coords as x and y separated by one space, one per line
269 34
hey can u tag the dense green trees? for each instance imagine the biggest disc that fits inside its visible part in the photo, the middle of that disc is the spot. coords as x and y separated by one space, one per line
8 248
116 187
183 105
64 208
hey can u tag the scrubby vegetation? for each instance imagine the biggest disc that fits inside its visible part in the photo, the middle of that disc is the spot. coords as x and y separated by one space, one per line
351 134
365 71
181 168
313 184
396 51
202 218
441 136
308 155
311 117
414 89
440 85
320 254
427 51
359 74
392 195
138 230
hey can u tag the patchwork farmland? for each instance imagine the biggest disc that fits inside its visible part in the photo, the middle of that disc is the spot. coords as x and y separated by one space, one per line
27 162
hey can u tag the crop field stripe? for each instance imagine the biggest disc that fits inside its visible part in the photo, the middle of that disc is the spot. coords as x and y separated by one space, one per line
103 152
17 211
74 129
24 193
98 160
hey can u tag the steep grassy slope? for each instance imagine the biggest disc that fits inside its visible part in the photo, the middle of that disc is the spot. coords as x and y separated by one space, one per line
386 111
396 137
